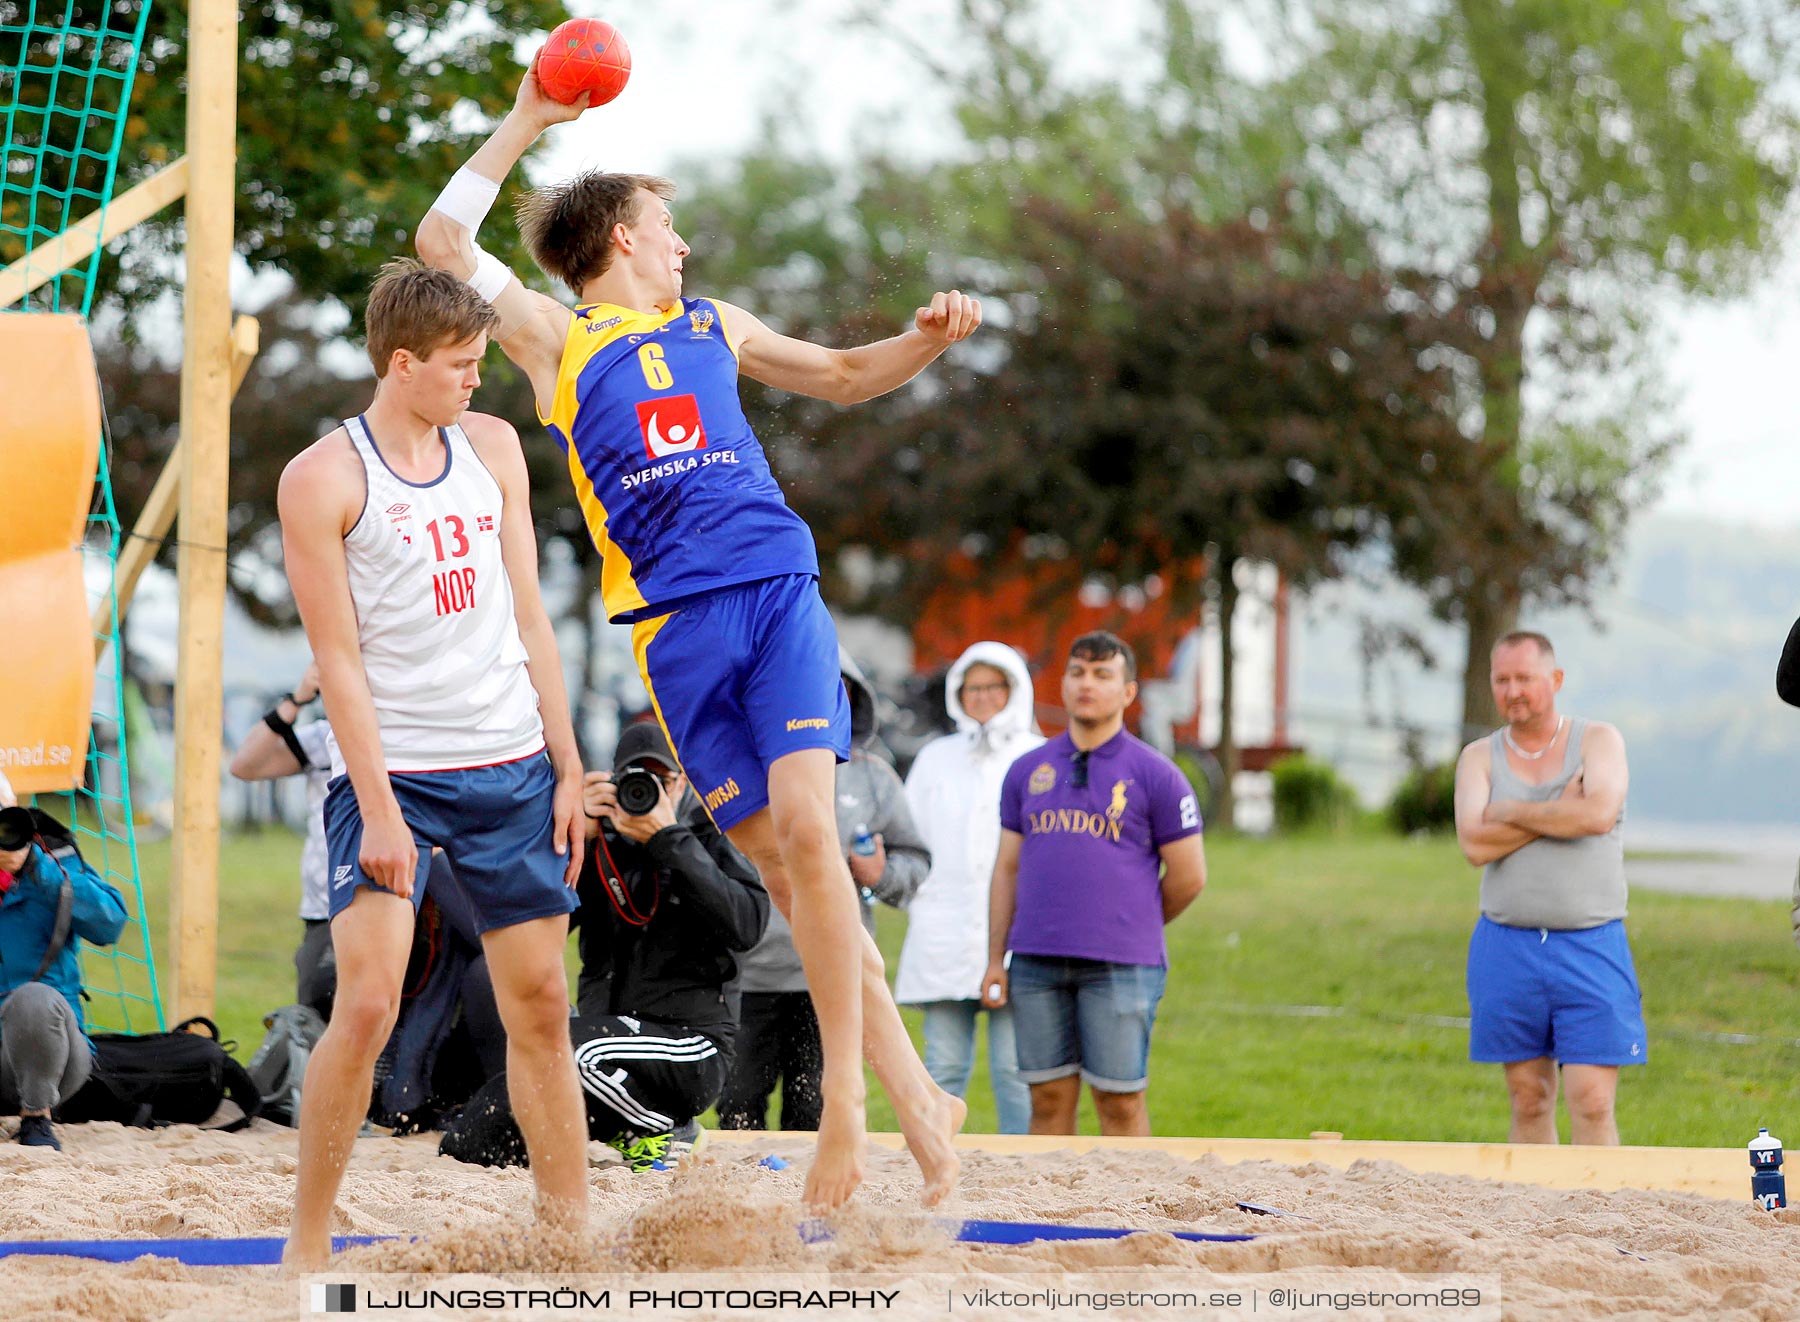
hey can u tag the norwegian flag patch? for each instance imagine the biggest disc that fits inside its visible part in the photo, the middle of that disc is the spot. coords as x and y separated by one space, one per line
484 523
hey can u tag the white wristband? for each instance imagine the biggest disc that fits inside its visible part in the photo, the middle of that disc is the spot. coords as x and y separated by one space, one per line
490 277
467 198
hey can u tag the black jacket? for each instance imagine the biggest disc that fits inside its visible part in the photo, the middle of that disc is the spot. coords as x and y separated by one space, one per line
706 903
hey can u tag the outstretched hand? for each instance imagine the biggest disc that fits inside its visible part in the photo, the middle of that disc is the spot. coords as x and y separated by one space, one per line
541 110
951 317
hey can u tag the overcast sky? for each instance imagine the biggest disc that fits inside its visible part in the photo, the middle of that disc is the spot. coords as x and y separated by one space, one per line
703 72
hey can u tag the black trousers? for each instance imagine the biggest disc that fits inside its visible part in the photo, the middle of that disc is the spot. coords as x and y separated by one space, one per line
636 1077
315 967
778 1041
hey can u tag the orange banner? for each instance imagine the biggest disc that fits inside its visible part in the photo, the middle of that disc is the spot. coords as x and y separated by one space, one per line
49 450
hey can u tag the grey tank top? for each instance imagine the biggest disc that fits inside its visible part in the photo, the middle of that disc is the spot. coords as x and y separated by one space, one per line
1561 885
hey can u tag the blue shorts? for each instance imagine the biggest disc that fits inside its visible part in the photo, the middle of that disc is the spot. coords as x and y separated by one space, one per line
1084 1015
741 677
493 823
1569 995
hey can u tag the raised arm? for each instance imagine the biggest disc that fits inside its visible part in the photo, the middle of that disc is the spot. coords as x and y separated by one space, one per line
1591 803
316 500
850 376
498 445
1482 841
532 325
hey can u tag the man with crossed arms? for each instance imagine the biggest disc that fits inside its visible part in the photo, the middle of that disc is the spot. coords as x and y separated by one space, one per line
1539 804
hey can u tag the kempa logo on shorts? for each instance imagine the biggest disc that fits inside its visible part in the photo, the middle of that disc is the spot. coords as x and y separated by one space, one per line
810 723
722 796
341 877
334 1299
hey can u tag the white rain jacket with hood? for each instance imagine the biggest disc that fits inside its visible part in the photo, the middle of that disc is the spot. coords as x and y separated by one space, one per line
954 790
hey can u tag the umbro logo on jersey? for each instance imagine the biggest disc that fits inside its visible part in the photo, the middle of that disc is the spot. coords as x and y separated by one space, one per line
400 511
671 426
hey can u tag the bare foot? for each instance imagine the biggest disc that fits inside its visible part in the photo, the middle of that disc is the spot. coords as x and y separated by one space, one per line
838 1163
928 1133
301 1259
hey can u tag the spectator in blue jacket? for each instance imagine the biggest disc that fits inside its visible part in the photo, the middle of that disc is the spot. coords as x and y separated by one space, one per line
44 1054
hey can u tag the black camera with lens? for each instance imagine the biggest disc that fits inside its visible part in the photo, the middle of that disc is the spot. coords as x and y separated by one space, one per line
638 791
17 827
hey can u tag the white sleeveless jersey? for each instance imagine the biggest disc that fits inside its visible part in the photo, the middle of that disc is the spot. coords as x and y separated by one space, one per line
434 616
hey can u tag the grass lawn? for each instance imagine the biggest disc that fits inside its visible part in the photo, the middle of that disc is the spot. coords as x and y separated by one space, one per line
1369 928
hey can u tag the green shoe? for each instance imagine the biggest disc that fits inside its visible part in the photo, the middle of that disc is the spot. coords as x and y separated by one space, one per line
649 1152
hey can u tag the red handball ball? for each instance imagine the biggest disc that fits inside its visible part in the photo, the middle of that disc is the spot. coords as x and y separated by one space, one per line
584 55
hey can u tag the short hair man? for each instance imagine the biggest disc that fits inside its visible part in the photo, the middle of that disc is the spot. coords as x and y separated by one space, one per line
44 1054
275 748
668 906
717 576
1099 849
1539 803
412 558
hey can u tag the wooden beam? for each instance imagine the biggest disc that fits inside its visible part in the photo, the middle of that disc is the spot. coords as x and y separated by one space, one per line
158 514
205 458
74 245
1711 1172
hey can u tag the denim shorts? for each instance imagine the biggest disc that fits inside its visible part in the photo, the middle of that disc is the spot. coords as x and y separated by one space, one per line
1084 1015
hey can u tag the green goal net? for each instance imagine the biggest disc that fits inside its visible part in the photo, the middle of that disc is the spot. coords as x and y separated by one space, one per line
66 73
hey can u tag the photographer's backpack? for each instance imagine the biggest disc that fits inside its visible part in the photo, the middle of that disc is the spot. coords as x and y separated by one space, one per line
279 1066
173 1078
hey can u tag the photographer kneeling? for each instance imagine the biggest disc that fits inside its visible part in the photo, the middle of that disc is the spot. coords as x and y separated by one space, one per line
50 901
667 903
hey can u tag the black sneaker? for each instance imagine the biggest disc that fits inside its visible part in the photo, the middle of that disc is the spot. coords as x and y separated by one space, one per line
35 1132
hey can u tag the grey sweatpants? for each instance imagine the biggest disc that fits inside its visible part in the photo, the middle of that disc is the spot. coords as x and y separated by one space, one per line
43 1056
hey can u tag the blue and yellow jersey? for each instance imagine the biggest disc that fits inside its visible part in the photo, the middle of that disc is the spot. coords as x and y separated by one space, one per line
675 486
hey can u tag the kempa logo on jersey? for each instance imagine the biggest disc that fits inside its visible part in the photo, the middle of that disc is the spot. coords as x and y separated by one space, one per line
810 723
671 426
595 326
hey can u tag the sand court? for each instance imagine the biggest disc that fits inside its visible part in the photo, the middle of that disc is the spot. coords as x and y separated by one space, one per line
1557 1253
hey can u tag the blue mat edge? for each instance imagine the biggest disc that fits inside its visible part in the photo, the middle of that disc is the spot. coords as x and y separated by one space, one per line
266 1252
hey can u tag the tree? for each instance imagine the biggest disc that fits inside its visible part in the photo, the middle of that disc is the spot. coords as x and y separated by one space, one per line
1185 398
1572 157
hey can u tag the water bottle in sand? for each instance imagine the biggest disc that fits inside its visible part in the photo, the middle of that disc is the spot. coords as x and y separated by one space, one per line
1768 1186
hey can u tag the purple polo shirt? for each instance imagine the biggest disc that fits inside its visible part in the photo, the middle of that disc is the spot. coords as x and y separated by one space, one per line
1090 877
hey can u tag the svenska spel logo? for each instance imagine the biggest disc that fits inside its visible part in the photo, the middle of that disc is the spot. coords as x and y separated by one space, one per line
671 426
334 1299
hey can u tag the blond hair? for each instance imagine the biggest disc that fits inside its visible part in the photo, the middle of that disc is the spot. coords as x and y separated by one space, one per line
568 227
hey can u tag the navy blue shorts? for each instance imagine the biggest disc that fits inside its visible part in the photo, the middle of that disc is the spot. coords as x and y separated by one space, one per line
740 678
1569 995
1086 1015
494 823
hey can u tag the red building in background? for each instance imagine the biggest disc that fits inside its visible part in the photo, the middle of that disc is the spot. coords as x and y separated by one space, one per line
1029 605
